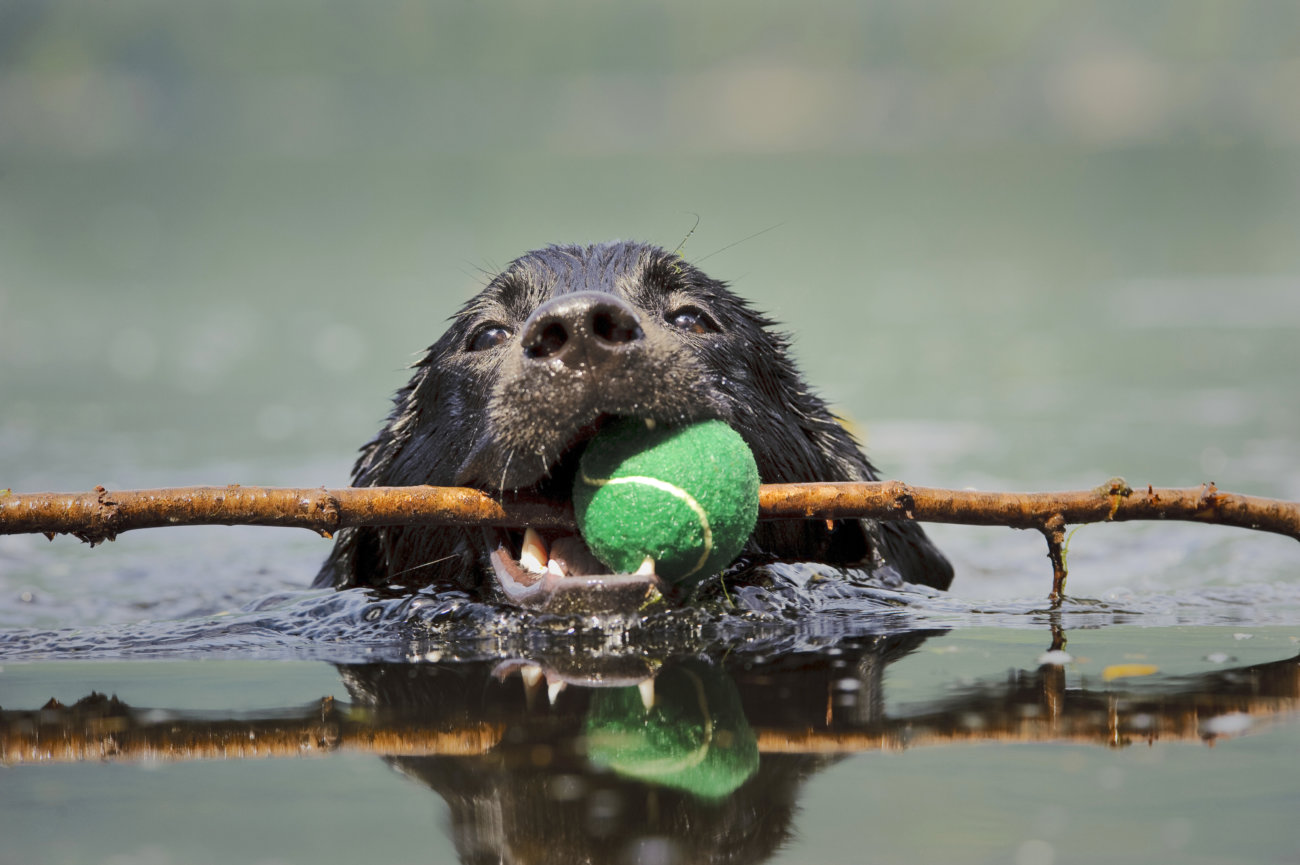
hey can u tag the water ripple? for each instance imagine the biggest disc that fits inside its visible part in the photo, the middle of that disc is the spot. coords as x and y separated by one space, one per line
362 625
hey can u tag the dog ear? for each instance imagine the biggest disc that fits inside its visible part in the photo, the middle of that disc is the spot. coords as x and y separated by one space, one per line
380 453
910 550
902 544
360 551
797 438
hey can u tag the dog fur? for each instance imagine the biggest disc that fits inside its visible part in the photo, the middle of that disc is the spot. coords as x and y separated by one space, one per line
567 337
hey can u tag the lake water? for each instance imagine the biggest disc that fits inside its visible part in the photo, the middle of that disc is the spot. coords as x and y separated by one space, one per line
215 264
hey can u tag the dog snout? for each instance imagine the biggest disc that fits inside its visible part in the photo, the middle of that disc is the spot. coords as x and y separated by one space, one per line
582 329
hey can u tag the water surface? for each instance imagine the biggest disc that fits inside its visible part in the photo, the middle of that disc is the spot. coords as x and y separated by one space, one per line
1017 248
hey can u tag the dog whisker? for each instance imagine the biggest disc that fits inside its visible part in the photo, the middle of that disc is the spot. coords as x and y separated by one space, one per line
680 246
505 470
567 336
427 564
759 233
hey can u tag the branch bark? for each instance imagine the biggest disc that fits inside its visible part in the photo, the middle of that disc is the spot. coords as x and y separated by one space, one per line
101 515
103 729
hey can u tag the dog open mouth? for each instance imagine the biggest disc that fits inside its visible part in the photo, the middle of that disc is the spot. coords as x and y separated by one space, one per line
554 571
561 341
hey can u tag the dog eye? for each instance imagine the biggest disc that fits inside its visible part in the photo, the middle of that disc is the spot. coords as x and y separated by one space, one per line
691 319
489 336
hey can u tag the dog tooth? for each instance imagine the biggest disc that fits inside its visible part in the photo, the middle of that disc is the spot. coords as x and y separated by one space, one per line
533 555
531 674
553 690
647 568
647 689
649 423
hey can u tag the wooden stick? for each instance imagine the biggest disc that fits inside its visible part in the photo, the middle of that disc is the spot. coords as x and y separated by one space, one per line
102 729
102 515
1113 501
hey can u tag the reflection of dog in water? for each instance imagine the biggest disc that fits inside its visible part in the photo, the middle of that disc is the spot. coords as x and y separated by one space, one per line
671 774
566 339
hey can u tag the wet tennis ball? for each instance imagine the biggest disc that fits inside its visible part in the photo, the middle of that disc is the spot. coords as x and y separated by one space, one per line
686 497
694 737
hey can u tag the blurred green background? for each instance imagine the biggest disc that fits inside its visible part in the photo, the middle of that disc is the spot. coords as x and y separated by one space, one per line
1017 243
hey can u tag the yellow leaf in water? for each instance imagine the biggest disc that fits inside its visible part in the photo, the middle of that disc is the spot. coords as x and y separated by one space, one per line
1123 671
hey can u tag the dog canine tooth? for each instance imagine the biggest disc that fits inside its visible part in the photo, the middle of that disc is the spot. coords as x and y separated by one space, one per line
518 417
647 689
647 568
531 674
553 690
533 554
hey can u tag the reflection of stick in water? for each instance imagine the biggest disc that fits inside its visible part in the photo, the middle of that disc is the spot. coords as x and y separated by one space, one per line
102 728
1035 708
101 515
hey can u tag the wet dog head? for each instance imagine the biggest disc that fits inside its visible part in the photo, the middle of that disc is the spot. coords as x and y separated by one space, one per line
562 341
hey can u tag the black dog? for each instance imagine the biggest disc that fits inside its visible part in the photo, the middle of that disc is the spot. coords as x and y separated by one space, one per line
565 339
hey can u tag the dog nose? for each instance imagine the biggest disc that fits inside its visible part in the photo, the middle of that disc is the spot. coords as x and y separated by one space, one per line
585 328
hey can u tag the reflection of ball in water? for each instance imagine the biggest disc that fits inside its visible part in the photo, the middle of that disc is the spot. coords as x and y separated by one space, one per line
686 497
693 737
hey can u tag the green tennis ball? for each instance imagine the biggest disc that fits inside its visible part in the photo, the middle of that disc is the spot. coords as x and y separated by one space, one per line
686 497
694 738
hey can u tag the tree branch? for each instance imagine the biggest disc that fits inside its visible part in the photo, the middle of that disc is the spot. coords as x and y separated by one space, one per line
103 729
101 515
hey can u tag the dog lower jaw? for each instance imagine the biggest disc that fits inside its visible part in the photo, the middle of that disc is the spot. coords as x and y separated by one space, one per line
556 590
